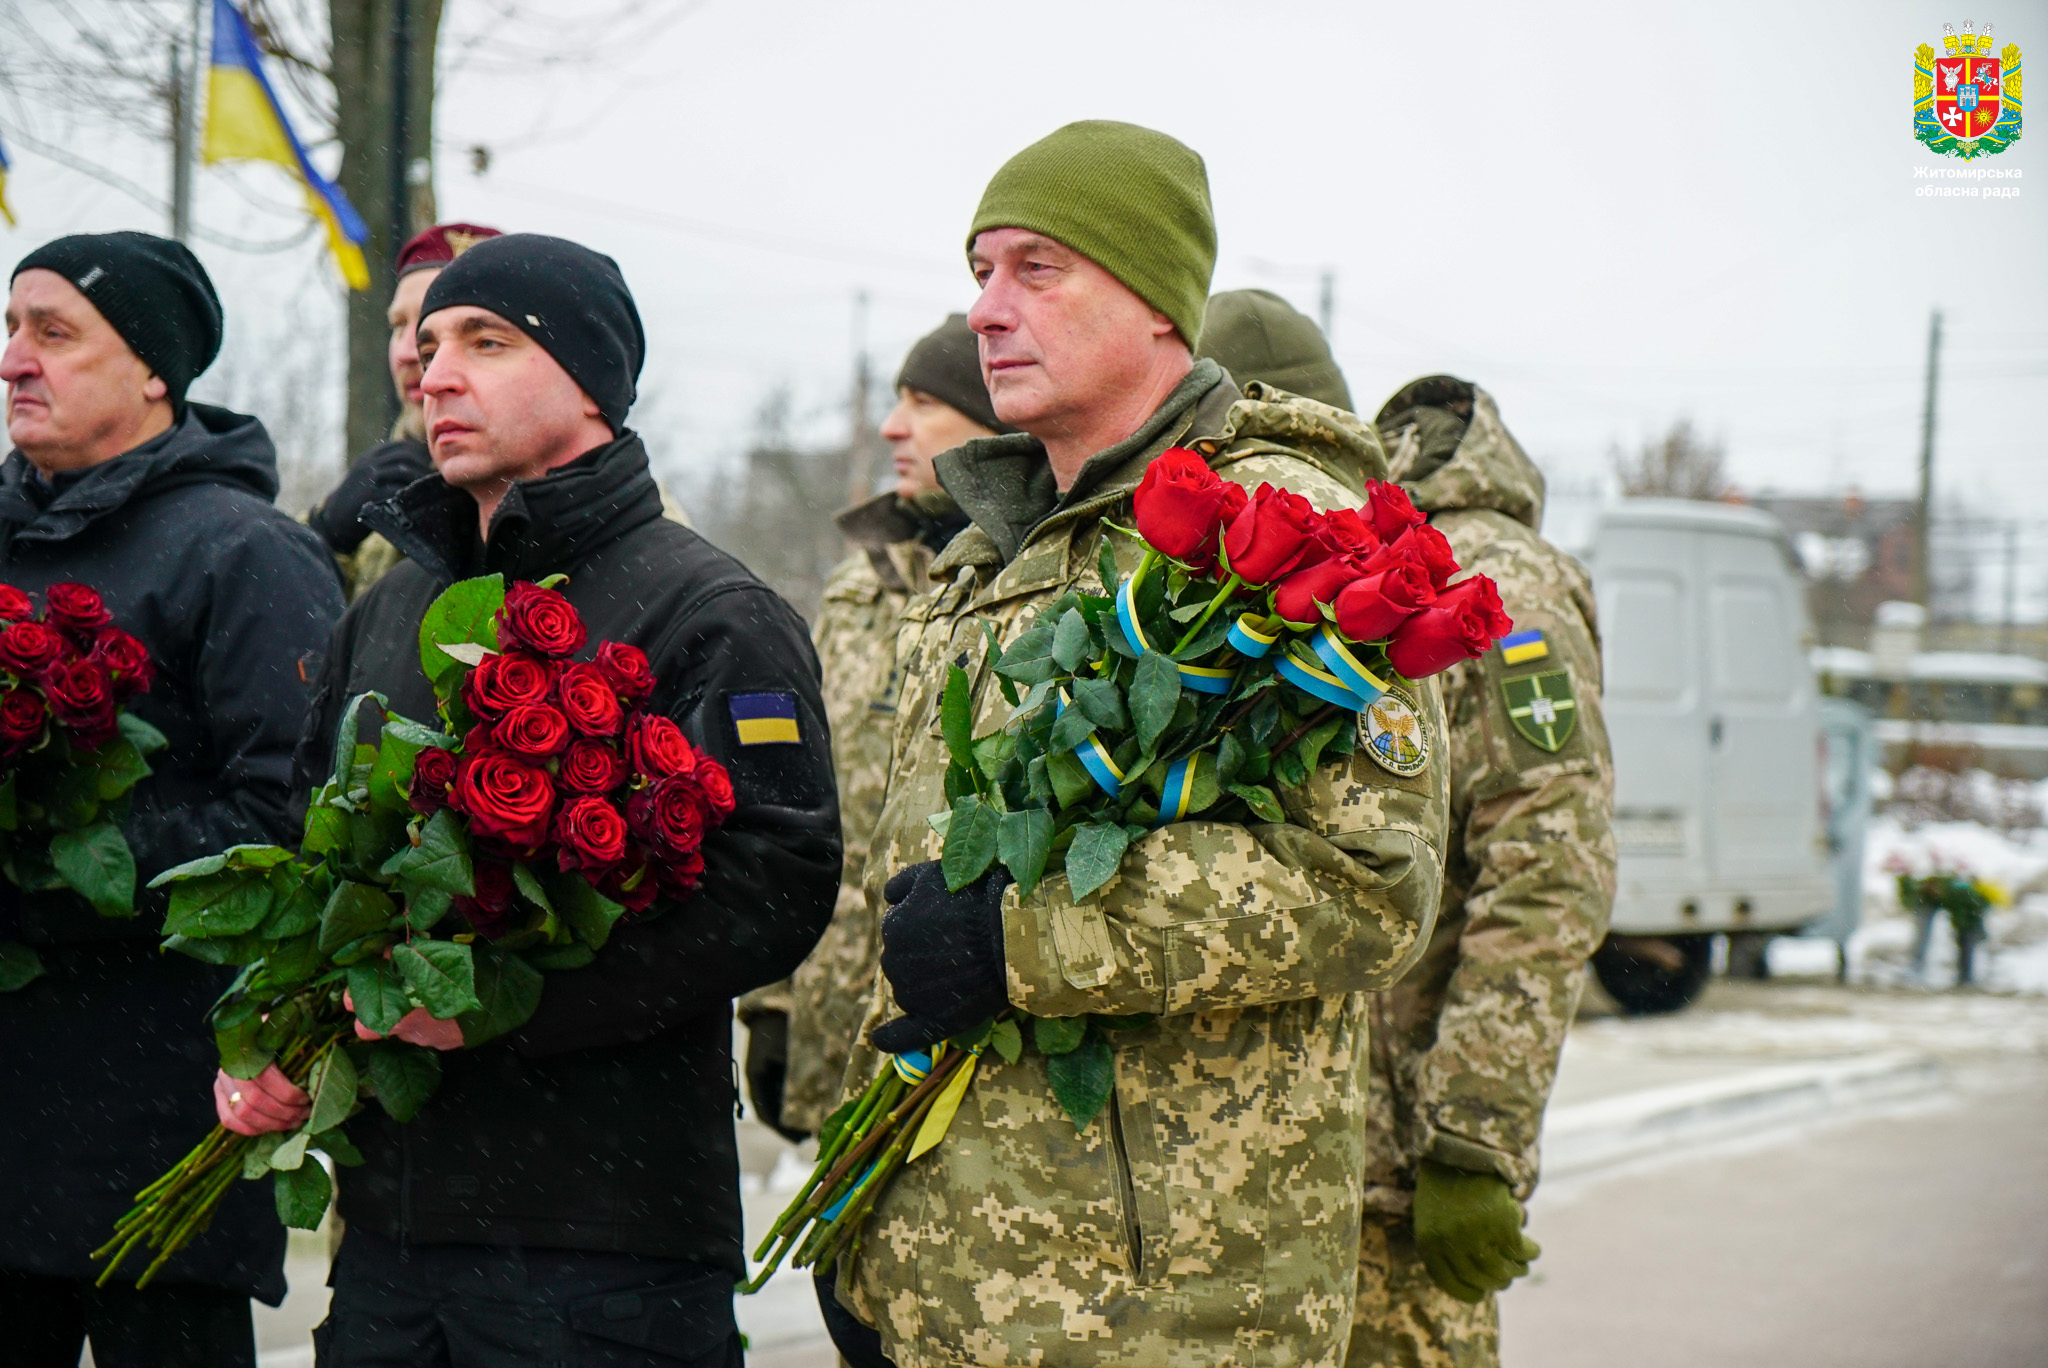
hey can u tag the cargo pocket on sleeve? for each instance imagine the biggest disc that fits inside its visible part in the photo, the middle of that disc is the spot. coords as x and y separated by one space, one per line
1238 961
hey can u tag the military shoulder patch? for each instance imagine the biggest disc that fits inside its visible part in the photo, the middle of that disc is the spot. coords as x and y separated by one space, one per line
1392 733
764 719
1542 708
1523 647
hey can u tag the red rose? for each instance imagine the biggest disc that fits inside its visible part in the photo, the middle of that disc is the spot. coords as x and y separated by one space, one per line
23 717
588 700
1463 624
632 888
657 748
28 648
716 786
505 799
539 620
590 767
503 682
1295 598
532 731
1179 506
590 835
669 816
490 911
1269 537
15 606
81 695
77 607
626 670
1345 532
433 774
1390 509
1424 546
126 659
1371 608
680 876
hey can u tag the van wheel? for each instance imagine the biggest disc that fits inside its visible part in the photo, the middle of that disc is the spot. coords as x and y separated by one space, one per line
1650 975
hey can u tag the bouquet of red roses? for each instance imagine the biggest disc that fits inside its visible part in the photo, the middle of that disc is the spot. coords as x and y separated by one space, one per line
69 753
1146 705
441 871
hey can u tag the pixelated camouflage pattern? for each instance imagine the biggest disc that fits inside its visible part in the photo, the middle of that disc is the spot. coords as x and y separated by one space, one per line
1211 1214
828 994
1465 1048
1404 1320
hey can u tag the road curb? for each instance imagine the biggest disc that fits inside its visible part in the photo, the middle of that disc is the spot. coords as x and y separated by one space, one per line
1611 1130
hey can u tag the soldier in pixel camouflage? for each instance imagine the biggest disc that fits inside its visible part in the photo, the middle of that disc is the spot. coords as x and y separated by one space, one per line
800 1030
1464 1049
1211 1214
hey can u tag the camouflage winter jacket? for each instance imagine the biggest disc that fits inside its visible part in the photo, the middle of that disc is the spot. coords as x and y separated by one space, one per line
1465 1047
1211 1213
856 639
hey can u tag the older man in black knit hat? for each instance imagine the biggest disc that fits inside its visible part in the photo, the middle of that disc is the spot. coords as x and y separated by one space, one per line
571 1192
164 507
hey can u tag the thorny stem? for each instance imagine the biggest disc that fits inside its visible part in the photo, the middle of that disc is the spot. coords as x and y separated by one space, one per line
1308 724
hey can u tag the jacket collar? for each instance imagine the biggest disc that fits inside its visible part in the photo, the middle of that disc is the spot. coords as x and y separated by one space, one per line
207 446
541 527
1005 485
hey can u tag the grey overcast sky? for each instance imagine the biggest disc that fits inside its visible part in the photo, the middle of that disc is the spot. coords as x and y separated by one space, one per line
1609 215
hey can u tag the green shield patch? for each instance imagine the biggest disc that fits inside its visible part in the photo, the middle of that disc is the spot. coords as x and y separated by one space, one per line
1542 708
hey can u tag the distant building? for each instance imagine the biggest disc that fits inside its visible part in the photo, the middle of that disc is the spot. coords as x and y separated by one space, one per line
1858 553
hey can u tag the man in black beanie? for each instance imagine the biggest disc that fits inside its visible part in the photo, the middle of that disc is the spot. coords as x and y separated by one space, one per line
164 507
571 1191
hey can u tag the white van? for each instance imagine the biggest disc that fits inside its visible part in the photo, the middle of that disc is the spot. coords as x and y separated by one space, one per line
1715 718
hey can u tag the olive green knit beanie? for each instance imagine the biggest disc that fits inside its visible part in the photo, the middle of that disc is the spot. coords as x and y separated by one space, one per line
1257 335
1132 200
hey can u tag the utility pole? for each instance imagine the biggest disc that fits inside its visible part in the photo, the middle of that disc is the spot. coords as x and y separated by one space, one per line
860 472
184 126
400 161
2012 577
1923 520
1326 304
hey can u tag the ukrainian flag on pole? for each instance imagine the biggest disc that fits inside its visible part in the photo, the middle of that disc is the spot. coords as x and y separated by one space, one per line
5 212
244 122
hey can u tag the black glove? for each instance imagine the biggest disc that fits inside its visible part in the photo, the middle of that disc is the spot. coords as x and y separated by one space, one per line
768 1069
379 475
943 954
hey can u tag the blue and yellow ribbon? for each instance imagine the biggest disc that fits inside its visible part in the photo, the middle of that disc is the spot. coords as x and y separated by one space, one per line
1180 787
1335 653
1249 636
1094 756
1205 679
1307 673
945 1105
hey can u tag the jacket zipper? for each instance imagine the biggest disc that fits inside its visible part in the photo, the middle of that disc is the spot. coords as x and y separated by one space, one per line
1126 1191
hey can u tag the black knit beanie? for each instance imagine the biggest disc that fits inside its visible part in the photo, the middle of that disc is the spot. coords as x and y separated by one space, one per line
571 300
946 364
153 292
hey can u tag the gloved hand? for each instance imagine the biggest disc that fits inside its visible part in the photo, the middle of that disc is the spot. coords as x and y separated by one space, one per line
256 1106
1468 1229
943 955
768 1069
378 476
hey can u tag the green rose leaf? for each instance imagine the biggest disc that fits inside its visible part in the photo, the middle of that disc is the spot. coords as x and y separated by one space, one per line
292 1153
1071 782
971 842
1101 702
1155 689
1261 801
588 913
1072 728
19 966
354 909
425 908
295 908
1083 1078
345 737
508 990
339 1148
404 1077
441 859
378 994
302 1196
529 885
294 961
1058 1035
256 1158
1006 1039
333 1087
1309 750
1093 858
118 767
97 864
441 976
1029 659
1230 758
555 958
1072 642
327 829
956 717
1023 841
225 904
141 734
992 753
466 611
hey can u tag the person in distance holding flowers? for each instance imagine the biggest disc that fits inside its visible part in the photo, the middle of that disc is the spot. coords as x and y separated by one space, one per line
137 515
1211 1214
572 1188
1472 1035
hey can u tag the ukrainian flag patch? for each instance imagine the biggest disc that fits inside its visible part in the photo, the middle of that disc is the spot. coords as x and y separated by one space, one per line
1523 647
764 719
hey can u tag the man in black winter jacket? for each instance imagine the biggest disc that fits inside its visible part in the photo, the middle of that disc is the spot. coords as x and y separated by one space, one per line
570 1194
164 507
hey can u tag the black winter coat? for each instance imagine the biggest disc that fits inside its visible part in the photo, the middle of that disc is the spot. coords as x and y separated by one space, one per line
106 1064
606 1123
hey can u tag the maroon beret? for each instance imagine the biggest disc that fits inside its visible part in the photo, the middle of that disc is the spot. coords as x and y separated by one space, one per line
435 247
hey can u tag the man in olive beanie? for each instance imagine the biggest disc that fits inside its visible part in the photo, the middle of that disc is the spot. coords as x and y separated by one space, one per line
1258 336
